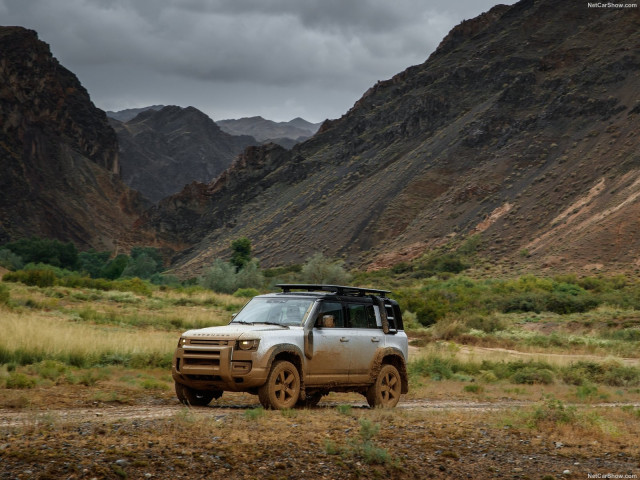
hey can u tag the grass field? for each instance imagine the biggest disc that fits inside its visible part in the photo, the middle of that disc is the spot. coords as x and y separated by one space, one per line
571 403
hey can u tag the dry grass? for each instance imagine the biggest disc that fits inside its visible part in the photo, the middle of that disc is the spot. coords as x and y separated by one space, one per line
54 335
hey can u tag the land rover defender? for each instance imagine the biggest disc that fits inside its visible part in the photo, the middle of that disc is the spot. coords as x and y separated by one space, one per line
293 347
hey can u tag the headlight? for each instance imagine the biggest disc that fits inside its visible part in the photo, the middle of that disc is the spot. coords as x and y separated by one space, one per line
247 344
182 342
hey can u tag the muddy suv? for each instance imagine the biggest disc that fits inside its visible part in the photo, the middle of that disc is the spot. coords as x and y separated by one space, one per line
293 347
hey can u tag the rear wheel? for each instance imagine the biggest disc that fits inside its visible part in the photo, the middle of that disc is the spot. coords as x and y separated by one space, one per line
195 398
385 392
282 388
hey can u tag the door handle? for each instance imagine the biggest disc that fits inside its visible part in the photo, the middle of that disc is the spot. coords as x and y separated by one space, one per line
344 339
375 339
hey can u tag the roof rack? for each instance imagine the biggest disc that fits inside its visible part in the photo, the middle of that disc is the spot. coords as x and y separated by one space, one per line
337 289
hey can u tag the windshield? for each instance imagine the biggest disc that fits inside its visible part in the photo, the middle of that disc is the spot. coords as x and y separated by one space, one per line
279 311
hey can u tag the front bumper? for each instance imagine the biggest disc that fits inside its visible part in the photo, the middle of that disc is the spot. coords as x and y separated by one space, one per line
217 367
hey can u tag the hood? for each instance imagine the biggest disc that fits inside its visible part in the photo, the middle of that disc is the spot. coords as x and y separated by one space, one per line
230 331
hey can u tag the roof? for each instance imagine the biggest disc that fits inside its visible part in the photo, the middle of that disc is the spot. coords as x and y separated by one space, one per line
337 289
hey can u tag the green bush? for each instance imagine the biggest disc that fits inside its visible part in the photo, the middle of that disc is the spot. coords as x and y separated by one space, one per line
44 250
221 277
318 269
37 278
10 260
533 375
17 380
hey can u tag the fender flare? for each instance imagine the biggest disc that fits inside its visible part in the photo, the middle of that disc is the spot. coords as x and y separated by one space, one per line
392 356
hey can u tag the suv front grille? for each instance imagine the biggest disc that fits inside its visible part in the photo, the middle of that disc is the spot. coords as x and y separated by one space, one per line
208 341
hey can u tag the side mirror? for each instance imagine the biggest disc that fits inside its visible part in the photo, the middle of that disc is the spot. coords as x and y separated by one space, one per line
327 321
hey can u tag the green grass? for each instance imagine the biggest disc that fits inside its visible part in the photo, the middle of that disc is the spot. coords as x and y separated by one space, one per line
518 372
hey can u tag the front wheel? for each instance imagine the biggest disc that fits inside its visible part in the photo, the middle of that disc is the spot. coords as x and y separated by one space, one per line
282 388
195 398
385 392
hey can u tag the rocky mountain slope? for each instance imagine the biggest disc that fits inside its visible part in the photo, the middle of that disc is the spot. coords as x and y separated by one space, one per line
521 127
286 134
163 150
59 169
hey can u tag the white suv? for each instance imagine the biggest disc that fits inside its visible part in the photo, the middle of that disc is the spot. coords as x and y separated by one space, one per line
293 347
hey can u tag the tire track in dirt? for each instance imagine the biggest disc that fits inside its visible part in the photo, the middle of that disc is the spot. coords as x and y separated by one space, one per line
10 418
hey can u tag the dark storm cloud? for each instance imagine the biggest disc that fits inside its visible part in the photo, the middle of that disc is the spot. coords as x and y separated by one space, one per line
232 58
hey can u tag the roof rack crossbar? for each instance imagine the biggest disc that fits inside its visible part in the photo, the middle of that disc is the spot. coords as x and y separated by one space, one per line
337 289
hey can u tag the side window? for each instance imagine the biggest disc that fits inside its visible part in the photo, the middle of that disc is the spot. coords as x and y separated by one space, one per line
333 309
361 316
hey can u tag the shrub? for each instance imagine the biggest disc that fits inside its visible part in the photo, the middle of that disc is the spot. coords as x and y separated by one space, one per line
221 277
246 292
19 380
488 324
44 250
473 388
553 411
37 278
435 367
10 260
318 270
533 375
250 276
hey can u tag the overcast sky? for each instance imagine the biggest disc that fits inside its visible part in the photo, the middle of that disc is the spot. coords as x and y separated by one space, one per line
280 59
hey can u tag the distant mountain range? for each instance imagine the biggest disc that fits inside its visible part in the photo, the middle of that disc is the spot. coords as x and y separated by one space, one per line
163 150
286 134
521 129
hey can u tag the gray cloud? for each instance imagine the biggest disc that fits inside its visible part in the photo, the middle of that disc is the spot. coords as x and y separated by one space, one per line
233 58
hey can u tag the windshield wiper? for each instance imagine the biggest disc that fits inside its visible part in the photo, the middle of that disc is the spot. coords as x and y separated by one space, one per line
272 323
242 322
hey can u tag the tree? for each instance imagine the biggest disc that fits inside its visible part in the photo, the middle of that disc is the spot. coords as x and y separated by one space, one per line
92 262
142 266
152 253
45 250
241 252
250 276
221 277
322 270
115 267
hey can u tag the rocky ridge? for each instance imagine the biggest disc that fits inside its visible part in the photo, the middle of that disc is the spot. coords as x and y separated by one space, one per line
58 155
521 127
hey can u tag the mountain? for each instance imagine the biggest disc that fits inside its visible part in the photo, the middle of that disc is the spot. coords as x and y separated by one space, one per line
58 155
130 113
163 150
522 128
286 134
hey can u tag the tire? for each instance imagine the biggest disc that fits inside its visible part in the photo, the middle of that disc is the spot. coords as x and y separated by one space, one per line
311 401
385 392
282 389
195 398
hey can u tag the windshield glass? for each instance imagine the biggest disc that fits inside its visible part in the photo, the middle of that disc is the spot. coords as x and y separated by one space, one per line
281 311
